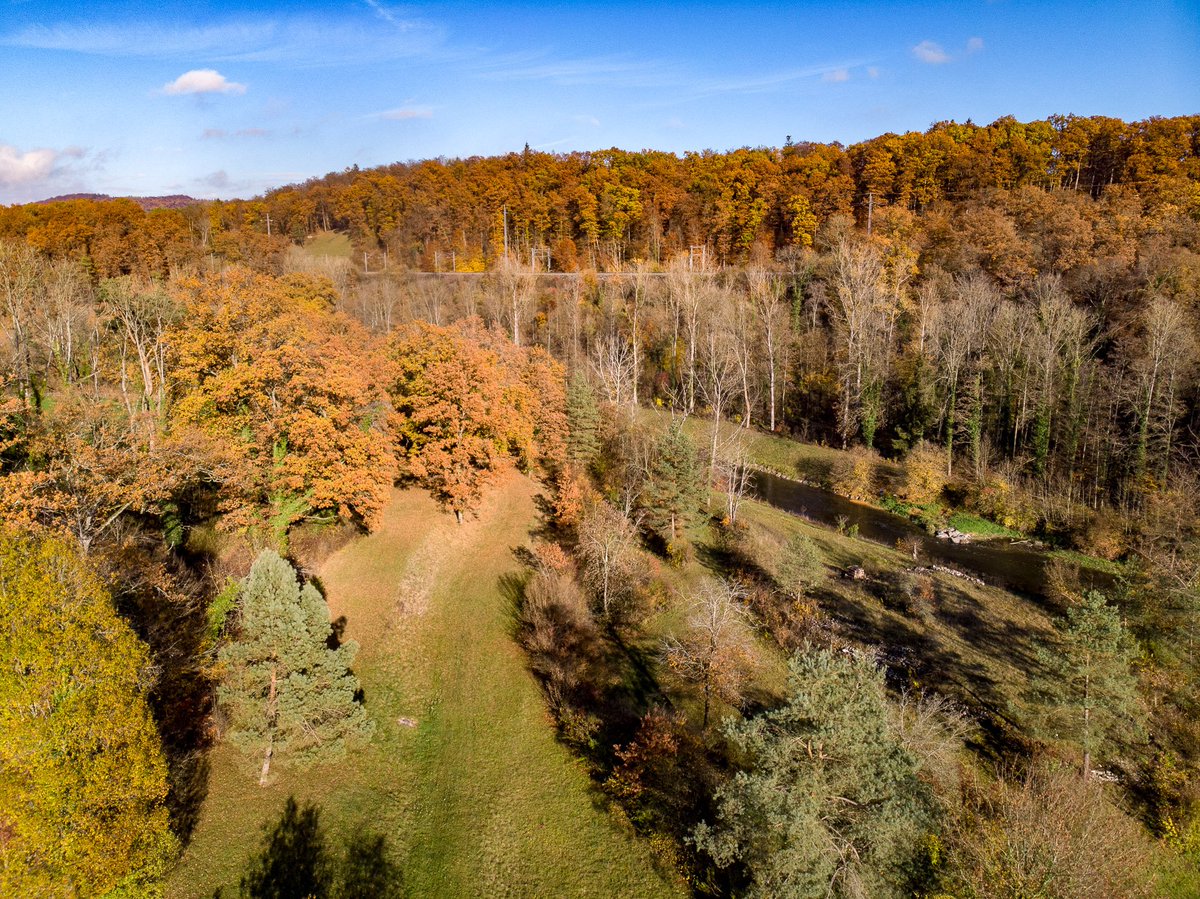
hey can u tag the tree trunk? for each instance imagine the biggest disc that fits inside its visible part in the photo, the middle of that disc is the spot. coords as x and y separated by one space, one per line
271 699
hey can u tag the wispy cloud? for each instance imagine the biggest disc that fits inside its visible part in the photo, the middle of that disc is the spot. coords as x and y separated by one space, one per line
589 120
222 134
931 53
202 81
289 40
623 72
405 113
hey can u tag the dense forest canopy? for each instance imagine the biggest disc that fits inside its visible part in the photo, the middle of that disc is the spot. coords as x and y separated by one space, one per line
605 208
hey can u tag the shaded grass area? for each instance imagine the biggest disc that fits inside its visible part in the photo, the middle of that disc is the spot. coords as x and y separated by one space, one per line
478 799
974 643
1090 562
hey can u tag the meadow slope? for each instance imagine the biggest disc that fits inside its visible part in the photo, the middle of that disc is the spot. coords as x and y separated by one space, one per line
478 799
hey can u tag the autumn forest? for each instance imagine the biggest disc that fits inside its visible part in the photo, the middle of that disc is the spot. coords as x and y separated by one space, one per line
423 530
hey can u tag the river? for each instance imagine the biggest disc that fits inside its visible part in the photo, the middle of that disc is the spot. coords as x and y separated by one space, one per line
1016 565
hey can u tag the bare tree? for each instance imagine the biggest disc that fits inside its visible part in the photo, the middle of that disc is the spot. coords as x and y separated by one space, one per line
20 295
767 292
733 474
614 362
1159 366
517 286
715 651
143 313
863 312
608 544
958 326
684 290
720 371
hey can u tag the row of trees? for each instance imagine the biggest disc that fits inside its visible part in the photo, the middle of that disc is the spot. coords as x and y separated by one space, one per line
602 209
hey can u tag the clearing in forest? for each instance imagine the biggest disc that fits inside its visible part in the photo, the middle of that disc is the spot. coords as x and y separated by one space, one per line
477 799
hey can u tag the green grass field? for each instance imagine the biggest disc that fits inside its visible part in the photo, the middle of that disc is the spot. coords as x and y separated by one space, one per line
478 799
329 243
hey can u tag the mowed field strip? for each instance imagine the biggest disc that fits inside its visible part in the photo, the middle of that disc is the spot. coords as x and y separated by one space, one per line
478 798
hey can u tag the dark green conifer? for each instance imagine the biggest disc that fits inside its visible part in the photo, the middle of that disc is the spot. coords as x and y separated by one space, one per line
285 690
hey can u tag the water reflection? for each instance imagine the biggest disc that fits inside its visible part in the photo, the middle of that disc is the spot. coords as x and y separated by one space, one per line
1012 564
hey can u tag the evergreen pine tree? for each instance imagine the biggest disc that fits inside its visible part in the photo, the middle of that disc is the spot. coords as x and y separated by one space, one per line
583 421
286 691
830 803
1088 686
673 490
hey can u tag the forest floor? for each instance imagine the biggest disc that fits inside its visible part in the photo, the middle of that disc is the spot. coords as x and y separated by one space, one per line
478 798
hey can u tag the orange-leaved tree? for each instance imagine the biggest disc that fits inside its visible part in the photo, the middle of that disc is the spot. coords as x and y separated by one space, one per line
468 402
267 364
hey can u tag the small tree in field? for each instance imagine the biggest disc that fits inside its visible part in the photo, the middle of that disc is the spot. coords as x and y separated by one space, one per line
716 652
1089 688
285 690
800 568
673 490
608 546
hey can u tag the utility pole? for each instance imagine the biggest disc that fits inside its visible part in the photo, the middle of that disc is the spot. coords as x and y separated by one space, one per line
268 224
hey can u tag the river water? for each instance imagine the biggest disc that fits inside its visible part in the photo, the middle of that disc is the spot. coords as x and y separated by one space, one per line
1012 564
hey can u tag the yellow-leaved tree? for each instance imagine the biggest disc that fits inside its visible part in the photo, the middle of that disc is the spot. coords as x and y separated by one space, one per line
83 783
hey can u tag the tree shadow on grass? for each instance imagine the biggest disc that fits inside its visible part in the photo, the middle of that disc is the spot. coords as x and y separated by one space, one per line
296 861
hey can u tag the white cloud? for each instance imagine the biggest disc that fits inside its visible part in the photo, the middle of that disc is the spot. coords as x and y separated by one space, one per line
836 76
974 45
405 113
587 120
930 52
25 168
203 81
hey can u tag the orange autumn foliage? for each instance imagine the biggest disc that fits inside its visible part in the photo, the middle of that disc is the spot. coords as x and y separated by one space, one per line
469 403
267 364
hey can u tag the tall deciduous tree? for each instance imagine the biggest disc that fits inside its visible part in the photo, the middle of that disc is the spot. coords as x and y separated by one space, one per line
83 782
715 651
286 691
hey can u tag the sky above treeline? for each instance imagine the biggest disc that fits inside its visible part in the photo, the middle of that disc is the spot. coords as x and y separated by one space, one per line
224 99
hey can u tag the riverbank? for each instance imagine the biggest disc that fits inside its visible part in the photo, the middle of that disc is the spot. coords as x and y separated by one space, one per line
814 466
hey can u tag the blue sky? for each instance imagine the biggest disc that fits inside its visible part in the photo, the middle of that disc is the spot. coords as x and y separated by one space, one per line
218 99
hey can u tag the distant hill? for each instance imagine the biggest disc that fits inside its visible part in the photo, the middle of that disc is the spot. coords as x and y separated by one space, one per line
173 201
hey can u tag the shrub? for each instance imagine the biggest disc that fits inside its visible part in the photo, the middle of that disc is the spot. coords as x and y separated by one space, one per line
924 474
853 474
